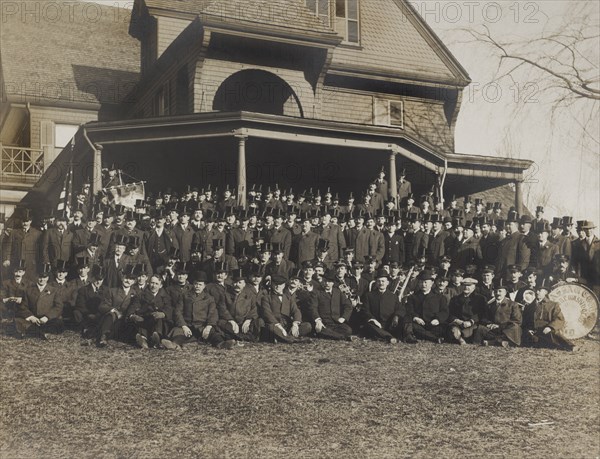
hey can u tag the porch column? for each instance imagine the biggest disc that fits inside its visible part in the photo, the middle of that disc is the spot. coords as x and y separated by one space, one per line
241 171
519 197
393 182
97 169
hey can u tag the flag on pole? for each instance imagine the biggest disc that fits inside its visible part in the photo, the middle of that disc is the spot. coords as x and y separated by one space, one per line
126 195
64 200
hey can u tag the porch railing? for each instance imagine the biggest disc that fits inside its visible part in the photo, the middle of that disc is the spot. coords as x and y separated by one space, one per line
19 164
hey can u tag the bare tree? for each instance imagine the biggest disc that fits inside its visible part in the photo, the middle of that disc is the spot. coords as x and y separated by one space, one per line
562 64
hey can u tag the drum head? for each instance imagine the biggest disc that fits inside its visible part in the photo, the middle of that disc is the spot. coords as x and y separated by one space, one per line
579 305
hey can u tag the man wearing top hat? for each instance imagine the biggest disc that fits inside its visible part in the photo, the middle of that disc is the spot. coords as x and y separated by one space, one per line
394 243
586 256
464 312
128 230
500 322
513 249
82 235
38 314
64 291
333 234
468 250
381 184
180 285
366 239
115 262
12 292
544 251
57 242
436 247
562 241
304 245
238 316
159 242
488 243
91 250
426 310
539 217
381 314
25 244
281 314
87 314
105 230
218 260
79 211
543 323
278 264
183 233
116 306
280 234
135 256
415 240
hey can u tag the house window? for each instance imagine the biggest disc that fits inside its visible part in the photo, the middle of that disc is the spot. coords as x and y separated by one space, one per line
320 8
388 112
396 114
347 20
63 133
160 105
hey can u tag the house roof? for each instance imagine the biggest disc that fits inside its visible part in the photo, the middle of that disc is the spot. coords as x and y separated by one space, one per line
73 55
396 42
288 14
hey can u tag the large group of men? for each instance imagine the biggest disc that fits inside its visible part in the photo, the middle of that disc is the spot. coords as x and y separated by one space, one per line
285 268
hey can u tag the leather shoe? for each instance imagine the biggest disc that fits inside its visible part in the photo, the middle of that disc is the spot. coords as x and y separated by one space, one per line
229 344
141 341
170 345
102 342
504 344
410 339
155 339
393 341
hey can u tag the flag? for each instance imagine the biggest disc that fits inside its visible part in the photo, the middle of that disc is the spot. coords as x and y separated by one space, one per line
64 200
126 195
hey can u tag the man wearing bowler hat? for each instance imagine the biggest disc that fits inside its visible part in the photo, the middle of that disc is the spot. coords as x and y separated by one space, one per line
24 244
381 314
543 323
281 314
586 256
331 312
500 322
38 314
238 317
427 310
196 317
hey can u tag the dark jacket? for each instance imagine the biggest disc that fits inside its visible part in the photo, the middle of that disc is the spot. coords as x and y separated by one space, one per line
196 310
427 307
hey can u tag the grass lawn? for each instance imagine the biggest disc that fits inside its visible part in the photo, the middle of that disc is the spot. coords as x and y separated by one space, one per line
325 399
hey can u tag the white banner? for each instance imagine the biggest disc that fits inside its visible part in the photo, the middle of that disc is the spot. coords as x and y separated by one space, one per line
126 195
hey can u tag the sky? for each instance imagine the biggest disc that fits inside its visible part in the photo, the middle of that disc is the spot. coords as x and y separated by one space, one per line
494 118
513 117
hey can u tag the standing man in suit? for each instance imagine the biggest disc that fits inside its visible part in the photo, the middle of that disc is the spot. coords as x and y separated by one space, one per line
183 233
159 242
381 184
436 246
513 249
586 256
25 244
404 186
58 242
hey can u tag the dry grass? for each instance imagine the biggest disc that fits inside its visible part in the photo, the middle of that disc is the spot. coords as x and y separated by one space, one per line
325 399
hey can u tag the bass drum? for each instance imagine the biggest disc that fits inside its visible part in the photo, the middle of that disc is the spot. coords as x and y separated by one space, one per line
579 305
